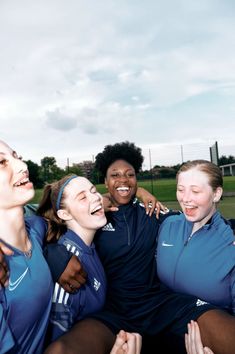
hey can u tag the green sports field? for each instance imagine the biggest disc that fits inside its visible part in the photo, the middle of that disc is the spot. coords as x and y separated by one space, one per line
164 190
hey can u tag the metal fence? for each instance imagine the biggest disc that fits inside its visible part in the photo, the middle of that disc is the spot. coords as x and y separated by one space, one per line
173 154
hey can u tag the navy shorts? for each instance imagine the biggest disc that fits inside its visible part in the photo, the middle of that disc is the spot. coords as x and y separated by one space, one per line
166 311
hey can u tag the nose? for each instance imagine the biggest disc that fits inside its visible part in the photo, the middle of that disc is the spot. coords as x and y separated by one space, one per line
21 166
95 197
123 177
187 196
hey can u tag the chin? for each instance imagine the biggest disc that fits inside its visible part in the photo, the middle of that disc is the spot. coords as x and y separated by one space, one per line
30 195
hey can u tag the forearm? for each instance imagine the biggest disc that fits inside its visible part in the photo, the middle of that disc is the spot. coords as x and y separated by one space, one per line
57 257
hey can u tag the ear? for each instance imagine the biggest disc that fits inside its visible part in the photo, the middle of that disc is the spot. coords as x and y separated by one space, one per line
64 215
218 194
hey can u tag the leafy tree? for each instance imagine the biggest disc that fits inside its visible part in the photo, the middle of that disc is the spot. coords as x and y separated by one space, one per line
96 177
49 170
34 174
224 160
74 169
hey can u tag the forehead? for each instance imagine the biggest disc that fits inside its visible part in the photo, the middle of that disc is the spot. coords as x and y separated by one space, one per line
120 164
78 185
4 147
193 177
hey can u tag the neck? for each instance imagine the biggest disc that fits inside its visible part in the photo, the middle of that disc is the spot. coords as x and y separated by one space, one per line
87 235
199 224
12 228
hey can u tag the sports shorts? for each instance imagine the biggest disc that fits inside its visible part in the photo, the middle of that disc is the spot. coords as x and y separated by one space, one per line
163 311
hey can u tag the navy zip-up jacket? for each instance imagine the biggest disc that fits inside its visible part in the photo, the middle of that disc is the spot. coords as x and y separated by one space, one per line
70 308
126 246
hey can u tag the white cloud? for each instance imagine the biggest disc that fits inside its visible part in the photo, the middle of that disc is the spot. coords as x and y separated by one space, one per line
76 75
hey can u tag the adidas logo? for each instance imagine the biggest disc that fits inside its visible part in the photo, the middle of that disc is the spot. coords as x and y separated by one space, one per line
201 302
96 284
108 227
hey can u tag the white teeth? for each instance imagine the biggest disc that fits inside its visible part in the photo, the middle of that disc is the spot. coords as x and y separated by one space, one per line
123 189
23 181
95 210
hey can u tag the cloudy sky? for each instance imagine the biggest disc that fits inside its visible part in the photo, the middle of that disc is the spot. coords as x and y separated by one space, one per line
76 75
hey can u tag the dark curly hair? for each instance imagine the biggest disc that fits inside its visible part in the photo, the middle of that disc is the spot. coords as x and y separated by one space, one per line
120 151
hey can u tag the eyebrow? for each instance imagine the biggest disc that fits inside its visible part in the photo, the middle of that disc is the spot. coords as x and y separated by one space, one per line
128 169
84 191
13 152
77 195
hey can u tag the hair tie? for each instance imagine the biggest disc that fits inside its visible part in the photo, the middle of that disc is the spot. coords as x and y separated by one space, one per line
61 191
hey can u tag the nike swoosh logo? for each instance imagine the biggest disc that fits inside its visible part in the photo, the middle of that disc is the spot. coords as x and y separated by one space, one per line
13 285
167 244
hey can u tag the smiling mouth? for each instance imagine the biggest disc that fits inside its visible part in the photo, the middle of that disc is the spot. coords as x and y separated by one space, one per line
123 189
22 182
190 211
97 209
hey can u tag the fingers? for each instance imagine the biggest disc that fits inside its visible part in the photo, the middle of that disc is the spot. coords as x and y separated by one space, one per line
134 343
208 350
138 342
127 343
193 347
153 205
72 287
112 208
108 206
119 342
158 209
161 208
186 341
193 342
150 207
74 276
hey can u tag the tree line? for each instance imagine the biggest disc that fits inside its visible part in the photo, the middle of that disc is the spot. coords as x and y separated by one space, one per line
48 171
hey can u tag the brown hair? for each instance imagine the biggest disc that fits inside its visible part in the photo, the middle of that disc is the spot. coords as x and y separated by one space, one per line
213 172
48 208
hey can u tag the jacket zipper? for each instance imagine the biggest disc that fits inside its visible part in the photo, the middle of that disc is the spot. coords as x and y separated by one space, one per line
128 230
182 250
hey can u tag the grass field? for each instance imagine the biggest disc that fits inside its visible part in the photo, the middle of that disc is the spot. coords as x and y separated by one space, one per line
164 190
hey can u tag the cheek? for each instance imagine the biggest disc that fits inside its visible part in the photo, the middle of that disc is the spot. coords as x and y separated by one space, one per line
135 189
110 185
76 210
205 205
179 196
81 217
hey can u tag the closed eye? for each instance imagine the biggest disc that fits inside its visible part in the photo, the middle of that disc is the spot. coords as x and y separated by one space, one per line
3 162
